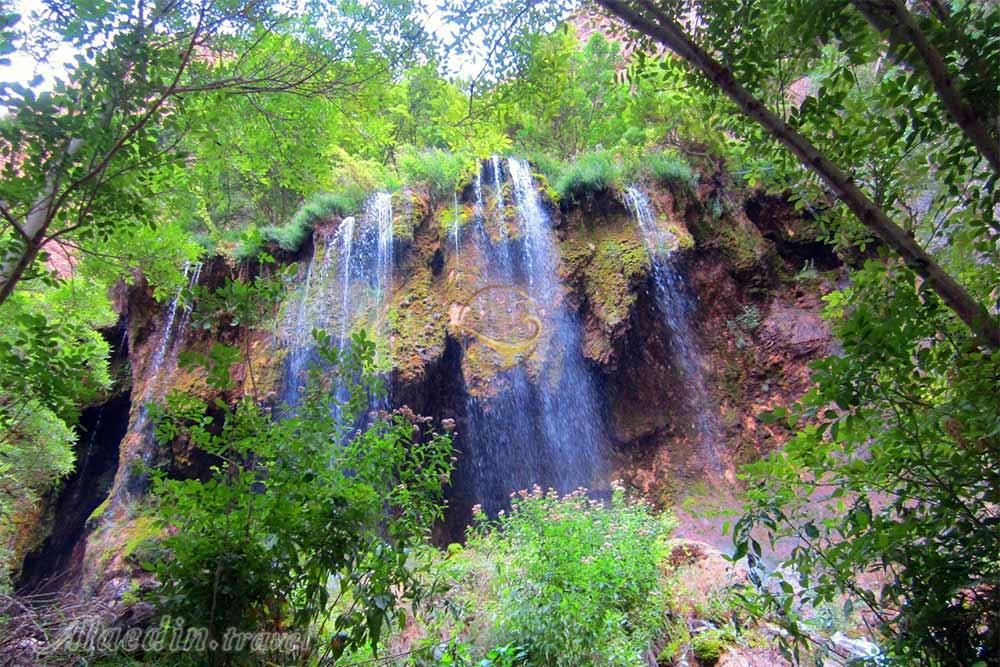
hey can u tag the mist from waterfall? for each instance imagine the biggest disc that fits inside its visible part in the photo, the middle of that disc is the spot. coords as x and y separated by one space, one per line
677 305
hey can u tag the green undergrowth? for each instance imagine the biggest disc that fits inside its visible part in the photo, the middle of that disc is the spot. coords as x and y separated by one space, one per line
555 581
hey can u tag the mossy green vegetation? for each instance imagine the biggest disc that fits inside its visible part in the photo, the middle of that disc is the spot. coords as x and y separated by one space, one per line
589 175
606 262
616 267
417 325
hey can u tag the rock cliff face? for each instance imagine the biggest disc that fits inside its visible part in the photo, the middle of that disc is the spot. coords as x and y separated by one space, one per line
755 327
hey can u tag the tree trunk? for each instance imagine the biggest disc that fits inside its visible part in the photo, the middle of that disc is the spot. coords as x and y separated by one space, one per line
36 223
672 35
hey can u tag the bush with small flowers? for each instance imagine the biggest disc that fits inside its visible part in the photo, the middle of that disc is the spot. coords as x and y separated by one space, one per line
579 580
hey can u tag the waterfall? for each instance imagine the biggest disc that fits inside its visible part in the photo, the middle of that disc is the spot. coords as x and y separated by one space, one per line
346 287
569 406
188 307
498 193
346 233
161 350
380 213
165 355
534 416
455 231
84 461
677 305
170 339
497 184
477 190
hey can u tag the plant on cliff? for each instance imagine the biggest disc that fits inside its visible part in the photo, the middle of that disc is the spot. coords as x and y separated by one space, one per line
441 171
308 523
590 175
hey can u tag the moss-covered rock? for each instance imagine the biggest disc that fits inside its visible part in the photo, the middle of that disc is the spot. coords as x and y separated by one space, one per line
417 323
409 208
605 262
719 224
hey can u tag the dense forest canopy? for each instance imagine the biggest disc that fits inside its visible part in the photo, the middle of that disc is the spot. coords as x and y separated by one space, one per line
181 130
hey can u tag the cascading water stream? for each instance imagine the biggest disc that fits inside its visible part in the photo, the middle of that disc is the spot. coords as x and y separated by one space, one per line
455 227
380 214
570 412
346 286
498 186
346 248
477 190
188 307
166 354
161 350
536 421
677 305
171 338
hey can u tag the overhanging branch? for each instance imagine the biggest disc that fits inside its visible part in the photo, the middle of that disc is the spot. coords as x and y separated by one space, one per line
661 28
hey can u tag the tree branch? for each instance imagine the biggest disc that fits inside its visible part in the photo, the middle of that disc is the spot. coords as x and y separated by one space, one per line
894 19
13 223
672 35
14 267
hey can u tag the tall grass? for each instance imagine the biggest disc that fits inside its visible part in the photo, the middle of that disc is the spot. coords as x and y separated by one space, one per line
669 167
443 172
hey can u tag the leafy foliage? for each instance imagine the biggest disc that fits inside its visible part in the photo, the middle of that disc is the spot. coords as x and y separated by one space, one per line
578 581
305 522
895 470
52 362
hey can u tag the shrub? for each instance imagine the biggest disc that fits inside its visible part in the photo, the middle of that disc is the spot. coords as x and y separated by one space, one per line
578 581
324 205
245 245
667 167
590 174
546 165
441 171
288 237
